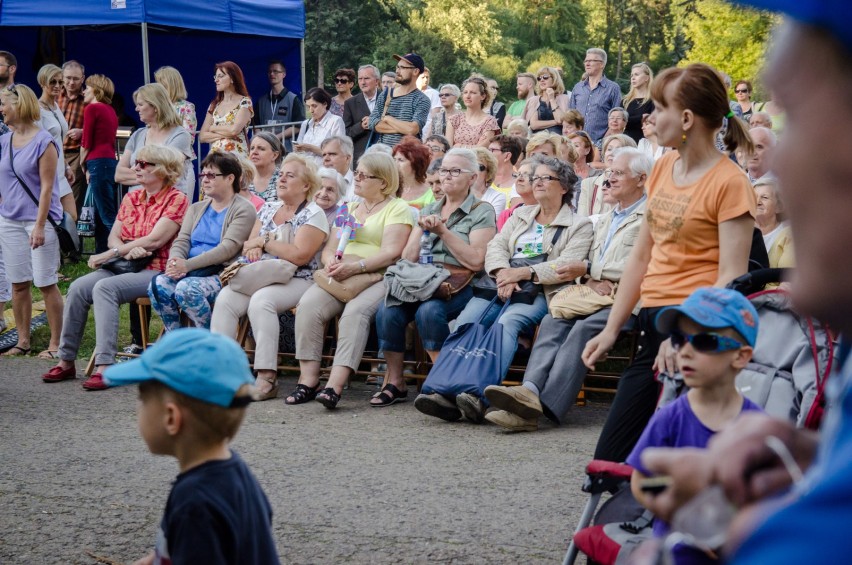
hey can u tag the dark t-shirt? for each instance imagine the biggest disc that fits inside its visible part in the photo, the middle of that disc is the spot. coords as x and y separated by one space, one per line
216 514
635 110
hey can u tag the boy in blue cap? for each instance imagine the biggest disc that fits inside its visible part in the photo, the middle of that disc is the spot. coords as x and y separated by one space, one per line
714 332
194 387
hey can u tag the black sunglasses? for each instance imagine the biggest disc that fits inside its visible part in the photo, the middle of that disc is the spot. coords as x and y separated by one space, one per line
341 80
705 342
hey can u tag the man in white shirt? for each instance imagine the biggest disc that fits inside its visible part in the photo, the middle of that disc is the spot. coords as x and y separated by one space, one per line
757 164
357 109
423 86
337 155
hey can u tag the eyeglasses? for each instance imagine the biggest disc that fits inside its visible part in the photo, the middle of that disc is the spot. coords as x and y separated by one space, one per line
454 173
403 67
544 178
341 80
517 176
55 82
617 173
741 91
361 176
543 77
146 164
446 94
496 150
593 61
274 72
705 342
218 77
436 149
210 176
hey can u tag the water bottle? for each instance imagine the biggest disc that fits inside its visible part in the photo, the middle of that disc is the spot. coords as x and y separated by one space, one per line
426 256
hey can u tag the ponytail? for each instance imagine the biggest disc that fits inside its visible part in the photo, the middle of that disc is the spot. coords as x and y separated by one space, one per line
737 136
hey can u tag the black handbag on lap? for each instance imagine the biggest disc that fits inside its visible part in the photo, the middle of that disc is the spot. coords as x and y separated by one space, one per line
122 266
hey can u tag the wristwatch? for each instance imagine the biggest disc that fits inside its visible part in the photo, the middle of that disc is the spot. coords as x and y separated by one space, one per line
532 274
115 252
363 266
588 267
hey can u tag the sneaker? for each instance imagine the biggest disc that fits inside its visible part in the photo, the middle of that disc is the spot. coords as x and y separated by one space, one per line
133 349
95 382
58 374
437 406
2 323
471 407
512 422
515 399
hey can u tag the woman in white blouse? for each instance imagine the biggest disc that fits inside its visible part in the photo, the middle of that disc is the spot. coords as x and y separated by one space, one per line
50 79
321 125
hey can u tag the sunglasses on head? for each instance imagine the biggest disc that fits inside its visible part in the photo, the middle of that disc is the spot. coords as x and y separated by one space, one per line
705 342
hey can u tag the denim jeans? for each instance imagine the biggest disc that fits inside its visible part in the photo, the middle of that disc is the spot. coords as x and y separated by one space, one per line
517 319
432 318
102 185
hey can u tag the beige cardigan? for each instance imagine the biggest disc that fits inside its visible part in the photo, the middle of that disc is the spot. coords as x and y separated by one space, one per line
572 245
236 228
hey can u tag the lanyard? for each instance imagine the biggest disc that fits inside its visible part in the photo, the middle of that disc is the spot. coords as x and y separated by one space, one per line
274 106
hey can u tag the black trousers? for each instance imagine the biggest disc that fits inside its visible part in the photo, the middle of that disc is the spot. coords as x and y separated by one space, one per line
636 396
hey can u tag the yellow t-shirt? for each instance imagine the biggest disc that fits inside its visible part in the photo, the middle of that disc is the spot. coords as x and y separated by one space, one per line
505 190
684 223
368 237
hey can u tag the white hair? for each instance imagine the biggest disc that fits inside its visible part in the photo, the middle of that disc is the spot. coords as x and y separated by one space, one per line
599 52
640 163
379 148
329 173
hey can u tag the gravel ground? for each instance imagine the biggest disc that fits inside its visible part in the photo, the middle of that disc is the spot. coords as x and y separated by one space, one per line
357 485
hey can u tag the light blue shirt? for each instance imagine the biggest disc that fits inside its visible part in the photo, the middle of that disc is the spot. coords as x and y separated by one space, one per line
207 233
618 217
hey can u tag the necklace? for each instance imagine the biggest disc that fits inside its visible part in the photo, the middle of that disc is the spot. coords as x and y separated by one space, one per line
369 209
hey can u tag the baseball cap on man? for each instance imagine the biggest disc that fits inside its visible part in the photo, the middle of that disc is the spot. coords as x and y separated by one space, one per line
713 308
832 15
412 58
202 365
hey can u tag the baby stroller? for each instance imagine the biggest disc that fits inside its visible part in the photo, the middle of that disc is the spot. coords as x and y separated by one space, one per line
786 377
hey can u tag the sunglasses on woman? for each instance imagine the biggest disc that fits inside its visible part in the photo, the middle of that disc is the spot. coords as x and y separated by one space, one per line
706 342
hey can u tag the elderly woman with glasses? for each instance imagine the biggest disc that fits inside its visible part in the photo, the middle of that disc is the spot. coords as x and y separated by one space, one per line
440 117
551 234
544 111
458 227
384 224
139 242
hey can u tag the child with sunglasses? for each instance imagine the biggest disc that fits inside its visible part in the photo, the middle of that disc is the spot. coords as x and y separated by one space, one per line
714 332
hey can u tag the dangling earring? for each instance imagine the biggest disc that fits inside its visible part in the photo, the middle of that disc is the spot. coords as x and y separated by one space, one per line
683 139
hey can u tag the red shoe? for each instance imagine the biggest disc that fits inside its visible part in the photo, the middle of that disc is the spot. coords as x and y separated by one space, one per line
95 382
58 374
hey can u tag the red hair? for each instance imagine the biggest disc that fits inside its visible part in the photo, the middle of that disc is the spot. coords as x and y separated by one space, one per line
700 88
236 74
417 154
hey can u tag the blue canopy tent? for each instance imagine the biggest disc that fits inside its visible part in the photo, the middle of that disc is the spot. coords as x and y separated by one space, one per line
127 40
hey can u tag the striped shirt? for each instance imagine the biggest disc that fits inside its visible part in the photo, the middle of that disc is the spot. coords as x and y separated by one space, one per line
411 107
595 104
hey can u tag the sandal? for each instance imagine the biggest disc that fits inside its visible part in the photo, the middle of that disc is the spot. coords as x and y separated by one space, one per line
269 394
18 350
49 354
302 394
388 395
328 398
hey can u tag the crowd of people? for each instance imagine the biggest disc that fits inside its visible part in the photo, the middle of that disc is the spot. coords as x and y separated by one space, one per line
567 217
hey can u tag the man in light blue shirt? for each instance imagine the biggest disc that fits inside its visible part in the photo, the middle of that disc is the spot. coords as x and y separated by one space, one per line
595 96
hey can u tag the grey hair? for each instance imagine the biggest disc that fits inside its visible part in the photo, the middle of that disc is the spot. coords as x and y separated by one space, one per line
434 166
454 90
565 172
375 69
379 148
771 134
600 52
520 122
329 173
772 182
640 163
619 109
72 64
764 115
390 74
345 143
469 156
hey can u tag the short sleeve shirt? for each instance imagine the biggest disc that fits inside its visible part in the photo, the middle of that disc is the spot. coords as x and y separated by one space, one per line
139 213
684 224
310 215
472 215
368 237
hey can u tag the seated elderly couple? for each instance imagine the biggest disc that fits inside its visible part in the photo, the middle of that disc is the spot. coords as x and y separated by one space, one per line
162 247
569 314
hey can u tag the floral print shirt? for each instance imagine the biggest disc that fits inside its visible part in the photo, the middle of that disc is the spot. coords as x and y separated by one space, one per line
270 193
186 112
239 144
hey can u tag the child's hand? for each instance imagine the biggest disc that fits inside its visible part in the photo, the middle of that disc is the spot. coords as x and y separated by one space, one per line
147 560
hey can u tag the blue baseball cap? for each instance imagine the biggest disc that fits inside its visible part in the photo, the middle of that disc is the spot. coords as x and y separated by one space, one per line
202 365
413 59
831 15
713 308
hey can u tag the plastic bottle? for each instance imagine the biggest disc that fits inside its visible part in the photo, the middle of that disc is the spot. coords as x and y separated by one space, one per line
426 256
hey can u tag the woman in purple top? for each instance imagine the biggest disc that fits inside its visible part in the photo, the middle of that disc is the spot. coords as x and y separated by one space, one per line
28 241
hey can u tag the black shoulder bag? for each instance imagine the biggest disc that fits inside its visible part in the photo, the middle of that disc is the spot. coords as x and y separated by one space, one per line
66 230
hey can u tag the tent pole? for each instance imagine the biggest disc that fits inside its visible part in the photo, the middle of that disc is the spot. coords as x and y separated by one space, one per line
146 64
302 54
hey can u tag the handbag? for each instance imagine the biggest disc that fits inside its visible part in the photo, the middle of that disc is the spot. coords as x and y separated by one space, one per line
86 219
346 290
579 300
459 277
248 278
122 266
469 360
66 232
486 287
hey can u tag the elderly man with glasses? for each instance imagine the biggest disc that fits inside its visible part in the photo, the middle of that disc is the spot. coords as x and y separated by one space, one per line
595 95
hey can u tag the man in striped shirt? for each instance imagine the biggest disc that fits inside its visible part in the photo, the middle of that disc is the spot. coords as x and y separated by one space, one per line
407 107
